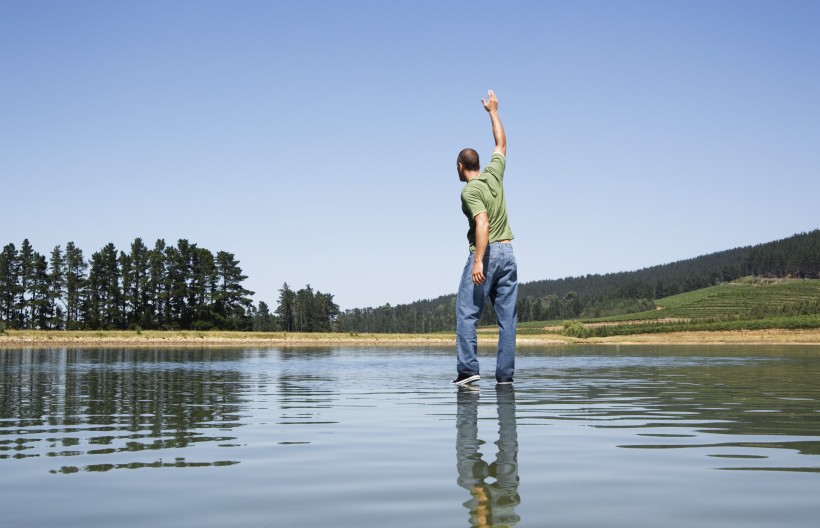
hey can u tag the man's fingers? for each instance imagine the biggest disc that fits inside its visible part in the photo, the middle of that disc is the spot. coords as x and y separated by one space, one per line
491 101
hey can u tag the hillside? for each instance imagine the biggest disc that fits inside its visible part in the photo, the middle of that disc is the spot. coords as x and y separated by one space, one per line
747 297
608 295
746 304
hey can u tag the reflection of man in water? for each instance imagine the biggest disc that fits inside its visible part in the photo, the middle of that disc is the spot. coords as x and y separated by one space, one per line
493 504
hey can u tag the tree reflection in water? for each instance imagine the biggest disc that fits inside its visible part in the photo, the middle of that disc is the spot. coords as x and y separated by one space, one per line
104 406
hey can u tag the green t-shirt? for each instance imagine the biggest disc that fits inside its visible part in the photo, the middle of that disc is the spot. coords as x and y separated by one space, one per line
486 193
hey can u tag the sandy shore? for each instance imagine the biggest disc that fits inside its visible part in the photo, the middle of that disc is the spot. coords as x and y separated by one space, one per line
22 339
41 339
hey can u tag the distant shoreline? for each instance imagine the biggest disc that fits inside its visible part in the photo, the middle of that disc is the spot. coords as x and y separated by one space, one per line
13 339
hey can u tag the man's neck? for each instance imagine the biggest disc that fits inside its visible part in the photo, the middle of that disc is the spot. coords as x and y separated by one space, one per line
469 175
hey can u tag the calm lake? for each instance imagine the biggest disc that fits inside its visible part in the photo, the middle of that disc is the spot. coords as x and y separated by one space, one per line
587 437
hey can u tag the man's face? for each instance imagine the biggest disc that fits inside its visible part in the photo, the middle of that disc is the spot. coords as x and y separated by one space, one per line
460 169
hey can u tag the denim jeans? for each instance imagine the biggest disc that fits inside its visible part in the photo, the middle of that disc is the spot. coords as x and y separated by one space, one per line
501 287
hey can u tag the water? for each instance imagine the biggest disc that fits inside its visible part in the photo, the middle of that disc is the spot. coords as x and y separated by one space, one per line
587 436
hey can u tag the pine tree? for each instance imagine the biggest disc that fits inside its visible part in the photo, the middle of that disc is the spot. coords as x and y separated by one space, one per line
325 312
26 261
139 294
56 289
157 287
9 285
40 293
303 310
178 262
202 286
75 280
127 289
232 301
103 299
284 311
263 320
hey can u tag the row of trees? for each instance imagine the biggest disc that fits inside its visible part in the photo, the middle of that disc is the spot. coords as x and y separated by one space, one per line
609 294
797 256
167 287
180 286
298 311
188 287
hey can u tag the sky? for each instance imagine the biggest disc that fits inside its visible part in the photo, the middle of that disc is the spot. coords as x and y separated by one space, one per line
316 140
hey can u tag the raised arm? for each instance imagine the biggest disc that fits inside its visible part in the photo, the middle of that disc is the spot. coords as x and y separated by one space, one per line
491 105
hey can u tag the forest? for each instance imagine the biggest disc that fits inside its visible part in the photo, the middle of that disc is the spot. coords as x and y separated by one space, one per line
187 287
592 296
167 287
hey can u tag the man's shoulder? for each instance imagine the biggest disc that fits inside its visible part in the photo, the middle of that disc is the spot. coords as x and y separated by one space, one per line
468 190
496 165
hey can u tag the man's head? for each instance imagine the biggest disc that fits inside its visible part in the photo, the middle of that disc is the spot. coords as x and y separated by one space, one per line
467 162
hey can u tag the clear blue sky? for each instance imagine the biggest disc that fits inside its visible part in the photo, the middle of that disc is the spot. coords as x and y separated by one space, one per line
317 140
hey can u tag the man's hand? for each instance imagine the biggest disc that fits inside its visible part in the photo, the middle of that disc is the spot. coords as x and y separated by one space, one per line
491 104
478 272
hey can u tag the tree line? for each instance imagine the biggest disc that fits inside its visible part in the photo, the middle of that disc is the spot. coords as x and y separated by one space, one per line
167 287
592 296
184 286
304 310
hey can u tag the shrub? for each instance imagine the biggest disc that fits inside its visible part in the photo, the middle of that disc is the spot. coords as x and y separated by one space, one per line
202 326
575 329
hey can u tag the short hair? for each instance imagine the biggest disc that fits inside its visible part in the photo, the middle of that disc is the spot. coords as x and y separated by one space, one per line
469 159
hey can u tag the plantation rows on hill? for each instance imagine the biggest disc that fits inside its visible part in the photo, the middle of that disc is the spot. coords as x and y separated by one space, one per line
747 297
746 304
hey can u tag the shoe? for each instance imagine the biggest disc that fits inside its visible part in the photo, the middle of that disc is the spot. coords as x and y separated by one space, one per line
506 382
464 379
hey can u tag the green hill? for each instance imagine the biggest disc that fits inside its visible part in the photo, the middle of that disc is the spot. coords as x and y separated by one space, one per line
748 297
746 304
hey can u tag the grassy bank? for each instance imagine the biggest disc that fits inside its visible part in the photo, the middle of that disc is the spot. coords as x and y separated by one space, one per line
487 338
154 338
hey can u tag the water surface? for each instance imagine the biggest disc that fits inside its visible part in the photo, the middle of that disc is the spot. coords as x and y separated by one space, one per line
587 436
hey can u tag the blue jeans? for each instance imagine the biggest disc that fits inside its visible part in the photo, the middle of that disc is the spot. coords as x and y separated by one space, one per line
501 287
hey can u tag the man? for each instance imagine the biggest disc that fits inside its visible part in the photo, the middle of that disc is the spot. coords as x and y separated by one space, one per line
491 271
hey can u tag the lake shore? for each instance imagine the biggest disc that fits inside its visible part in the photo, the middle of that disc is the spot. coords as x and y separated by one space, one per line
45 339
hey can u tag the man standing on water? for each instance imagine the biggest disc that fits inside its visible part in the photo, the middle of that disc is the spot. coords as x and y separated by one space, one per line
491 271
